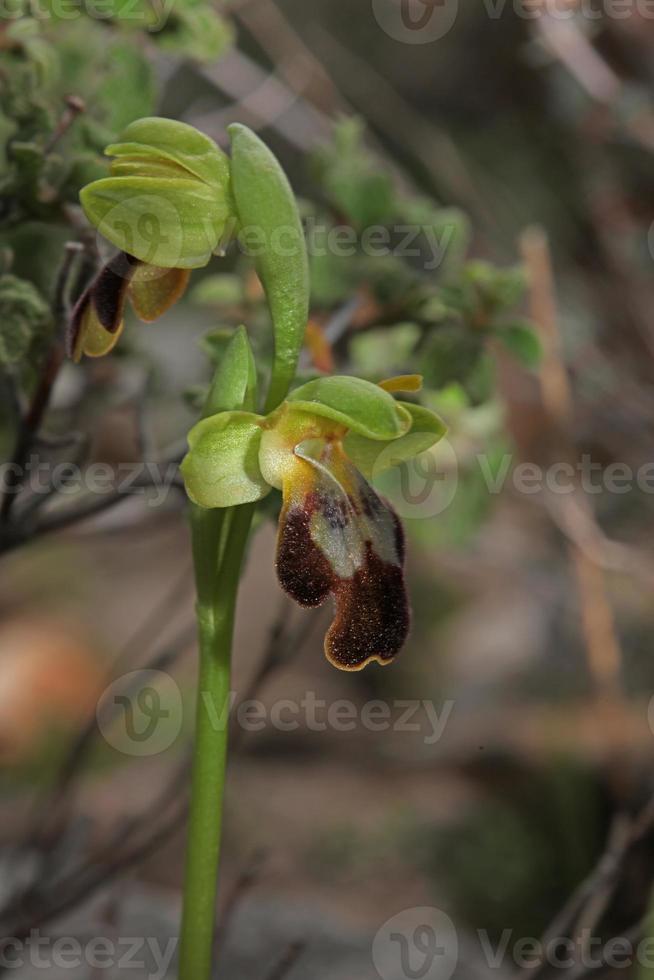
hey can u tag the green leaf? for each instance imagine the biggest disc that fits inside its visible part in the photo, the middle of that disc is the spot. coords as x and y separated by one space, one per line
357 404
234 384
169 222
374 457
265 203
221 468
25 317
352 178
523 342
196 31
130 89
378 353
220 290
450 353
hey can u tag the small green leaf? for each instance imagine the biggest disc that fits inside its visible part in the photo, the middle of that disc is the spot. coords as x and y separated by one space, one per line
221 468
266 205
25 317
196 31
234 384
523 342
219 290
169 222
373 457
357 404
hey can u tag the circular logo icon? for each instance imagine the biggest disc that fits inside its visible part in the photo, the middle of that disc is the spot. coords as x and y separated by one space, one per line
141 713
420 487
146 225
416 944
416 21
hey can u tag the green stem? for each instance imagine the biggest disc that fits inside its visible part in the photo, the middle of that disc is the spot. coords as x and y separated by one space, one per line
219 541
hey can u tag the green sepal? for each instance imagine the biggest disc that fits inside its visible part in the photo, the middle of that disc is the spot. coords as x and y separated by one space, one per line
373 457
265 202
234 384
169 140
174 223
221 468
357 404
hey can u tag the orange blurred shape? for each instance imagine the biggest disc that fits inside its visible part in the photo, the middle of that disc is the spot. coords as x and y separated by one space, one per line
318 347
49 682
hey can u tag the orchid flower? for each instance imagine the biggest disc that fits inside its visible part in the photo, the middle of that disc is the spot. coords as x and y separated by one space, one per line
336 535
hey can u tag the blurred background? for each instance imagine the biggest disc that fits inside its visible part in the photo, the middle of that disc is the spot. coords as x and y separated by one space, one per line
477 187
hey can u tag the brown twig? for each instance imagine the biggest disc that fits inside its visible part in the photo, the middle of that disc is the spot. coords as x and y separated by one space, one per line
288 961
601 641
74 107
30 423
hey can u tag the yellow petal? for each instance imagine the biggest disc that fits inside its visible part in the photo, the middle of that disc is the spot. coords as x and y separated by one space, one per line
402 382
154 290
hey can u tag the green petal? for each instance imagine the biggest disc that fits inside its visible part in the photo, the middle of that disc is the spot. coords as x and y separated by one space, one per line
222 467
177 142
357 404
266 207
169 222
373 458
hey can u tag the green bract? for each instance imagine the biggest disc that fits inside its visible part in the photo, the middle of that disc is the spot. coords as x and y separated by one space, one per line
271 228
167 201
234 383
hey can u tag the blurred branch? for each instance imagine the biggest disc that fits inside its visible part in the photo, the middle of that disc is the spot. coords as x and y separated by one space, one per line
31 421
295 62
142 834
584 910
602 645
281 970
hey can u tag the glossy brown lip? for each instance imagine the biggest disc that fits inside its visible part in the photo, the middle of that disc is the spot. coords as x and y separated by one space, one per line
372 616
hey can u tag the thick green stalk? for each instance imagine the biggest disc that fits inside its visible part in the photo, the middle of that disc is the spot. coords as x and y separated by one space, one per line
219 541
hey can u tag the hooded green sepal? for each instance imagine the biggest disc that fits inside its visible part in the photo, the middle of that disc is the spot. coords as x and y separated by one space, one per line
168 200
221 468
267 211
234 384
359 405
173 145
372 457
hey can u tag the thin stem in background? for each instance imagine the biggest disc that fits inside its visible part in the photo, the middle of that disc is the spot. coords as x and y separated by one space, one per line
31 422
